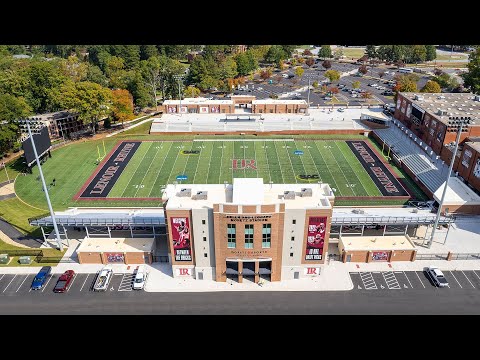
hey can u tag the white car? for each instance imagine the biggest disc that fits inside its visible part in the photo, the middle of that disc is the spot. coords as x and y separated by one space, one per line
436 275
285 76
103 279
354 95
374 85
341 109
260 88
140 277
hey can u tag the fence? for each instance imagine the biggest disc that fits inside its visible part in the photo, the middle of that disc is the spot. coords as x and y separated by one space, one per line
25 252
53 259
465 257
431 256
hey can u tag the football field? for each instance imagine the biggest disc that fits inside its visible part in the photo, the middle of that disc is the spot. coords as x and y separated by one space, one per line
157 163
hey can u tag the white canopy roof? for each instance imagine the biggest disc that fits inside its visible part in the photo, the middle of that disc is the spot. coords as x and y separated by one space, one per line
457 193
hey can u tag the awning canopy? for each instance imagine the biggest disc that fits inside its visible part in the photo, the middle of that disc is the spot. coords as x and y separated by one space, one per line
231 271
247 272
264 271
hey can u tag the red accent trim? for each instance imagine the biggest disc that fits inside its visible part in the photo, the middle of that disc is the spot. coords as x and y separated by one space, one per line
118 199
97 170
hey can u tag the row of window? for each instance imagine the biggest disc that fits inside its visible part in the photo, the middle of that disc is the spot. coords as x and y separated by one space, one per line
248 235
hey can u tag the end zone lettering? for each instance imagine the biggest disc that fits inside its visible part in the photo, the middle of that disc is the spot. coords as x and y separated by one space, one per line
104 180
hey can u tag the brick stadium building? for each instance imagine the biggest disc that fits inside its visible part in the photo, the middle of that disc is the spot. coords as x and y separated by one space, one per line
234 104
60 124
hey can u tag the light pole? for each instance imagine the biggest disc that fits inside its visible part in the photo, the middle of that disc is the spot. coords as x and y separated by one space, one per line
309 77
460 123
45 190
178 78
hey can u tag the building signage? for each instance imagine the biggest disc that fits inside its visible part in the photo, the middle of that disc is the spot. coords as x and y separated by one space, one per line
183 109
103 181
183 272
182 246
467 154
172 109
298 152
115 257
203 109
182 177
309 178
383 179
248 218
240 164
409 110
380 256
248 253
315 237
311 271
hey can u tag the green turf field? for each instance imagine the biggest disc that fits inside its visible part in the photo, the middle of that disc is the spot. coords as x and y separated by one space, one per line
157 163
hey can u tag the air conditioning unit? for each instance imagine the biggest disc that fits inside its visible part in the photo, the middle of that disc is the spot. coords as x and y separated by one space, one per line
200 195
441 112
418 97
358 211
306 192
289 195
185 193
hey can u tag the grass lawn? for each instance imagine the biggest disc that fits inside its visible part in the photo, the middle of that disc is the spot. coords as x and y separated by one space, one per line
448 57
10 170
353 52
139 130
17 213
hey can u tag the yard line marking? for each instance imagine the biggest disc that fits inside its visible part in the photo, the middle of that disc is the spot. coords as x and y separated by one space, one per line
343 173
420 279
408 279
208 169
255 157
280 166
468 279
168 146
146 172
22 283
133 173
296 146
74 277
456 279
84 282
45 286
10 282
326 166
291 164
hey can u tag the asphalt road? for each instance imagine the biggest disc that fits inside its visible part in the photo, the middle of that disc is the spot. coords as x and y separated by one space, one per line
374 293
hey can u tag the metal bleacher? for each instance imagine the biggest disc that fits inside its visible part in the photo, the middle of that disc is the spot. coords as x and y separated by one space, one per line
415 154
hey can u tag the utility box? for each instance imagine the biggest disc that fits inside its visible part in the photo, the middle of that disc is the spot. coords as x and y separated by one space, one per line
4 258
25 260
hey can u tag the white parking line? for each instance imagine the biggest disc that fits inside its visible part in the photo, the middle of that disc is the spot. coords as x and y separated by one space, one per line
84 282
45 286
22 283
411 286
9 282
468 279
2 276
420 279
456 280
472 270
74 277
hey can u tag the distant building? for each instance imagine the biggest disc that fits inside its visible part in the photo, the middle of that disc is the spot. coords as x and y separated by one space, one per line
60 124
238 49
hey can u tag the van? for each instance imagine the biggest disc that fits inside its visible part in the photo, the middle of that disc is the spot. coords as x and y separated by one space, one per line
140 277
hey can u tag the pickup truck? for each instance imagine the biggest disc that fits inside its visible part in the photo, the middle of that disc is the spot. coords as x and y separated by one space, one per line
103 279
64 281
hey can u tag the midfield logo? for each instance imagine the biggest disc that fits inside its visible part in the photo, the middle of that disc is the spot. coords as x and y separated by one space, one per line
240 164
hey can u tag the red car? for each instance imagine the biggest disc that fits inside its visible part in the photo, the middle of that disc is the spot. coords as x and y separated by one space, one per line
64 281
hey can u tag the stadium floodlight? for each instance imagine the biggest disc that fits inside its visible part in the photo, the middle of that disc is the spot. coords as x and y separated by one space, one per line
45 190
178 78
454 123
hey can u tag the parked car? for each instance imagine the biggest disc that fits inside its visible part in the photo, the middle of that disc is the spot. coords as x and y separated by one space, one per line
103 279
285 76
327 98
260 88
437 276
387 93
140 277
64 281
41 278
354 95
341 109
345 89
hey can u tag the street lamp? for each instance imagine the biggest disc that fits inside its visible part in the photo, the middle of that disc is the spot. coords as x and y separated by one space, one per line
178 78
454 122
45 190
309 77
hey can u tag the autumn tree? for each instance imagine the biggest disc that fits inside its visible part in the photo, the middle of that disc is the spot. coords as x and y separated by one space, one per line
266 74
332 75
191 92
356 84
333 89
327 64
366 96
307 52
299 71
431 87
338 53
381 74
363 69
315 84
122 105
310 61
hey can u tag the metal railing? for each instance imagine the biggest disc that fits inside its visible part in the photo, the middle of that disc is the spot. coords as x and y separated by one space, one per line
431 256
25 252
467 256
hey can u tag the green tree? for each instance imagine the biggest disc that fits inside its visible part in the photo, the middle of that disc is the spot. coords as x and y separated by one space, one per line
228 68
13 108
151 71
338 53
91 101
95 74
276 54
299 71
147 51
431 52
431 87
191 92
243 64
471 78
371 51
332 75
325 51
74 68
115 71
8 136
315 84
419 54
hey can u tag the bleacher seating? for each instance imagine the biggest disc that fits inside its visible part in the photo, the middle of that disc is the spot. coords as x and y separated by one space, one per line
430 170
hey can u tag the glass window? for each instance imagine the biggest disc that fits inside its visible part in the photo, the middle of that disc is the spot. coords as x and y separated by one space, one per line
249 236
231 236
203 222
294 221
266 236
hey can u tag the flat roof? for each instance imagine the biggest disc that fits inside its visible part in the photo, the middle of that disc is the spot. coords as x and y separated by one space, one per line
116 245
197 101
375 114
224 194
253 187
458 193
368 243
474 145
278 101
455 104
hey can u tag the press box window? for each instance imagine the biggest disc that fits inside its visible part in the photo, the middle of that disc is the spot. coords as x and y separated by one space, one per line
249 236
231 236
203 222
204 238
266 236
291 254
292 238
294 222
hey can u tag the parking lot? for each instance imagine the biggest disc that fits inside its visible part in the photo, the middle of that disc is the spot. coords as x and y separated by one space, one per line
408 280
19 284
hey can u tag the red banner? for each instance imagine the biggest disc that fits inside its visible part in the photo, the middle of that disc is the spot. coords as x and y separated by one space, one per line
380 256
315 237
181 239
115 257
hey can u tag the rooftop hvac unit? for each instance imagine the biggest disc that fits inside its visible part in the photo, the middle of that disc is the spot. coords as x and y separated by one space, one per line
418 97
358 211
306 192
185 193
200 195
289 195
476 98
441 112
